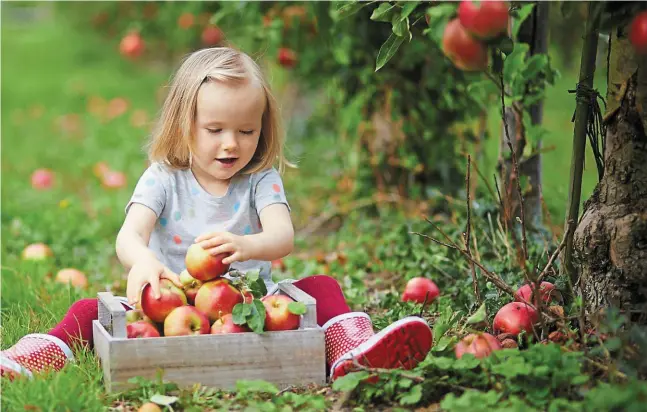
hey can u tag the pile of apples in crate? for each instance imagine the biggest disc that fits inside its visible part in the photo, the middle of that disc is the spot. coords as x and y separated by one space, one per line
511 320
210 303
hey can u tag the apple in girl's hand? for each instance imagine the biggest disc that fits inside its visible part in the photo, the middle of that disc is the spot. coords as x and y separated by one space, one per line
202 265
37 251
141 329
277 314
514 318
72 276
186 320
547 292
42 179
417 288
171 297
478 344
226 325
484 19
217 298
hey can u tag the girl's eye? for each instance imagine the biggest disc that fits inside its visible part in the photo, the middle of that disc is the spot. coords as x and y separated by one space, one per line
214 130
248 132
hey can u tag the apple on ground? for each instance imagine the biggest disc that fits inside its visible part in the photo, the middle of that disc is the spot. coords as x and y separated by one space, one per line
547 292
72 276
478 344
149 407
42 179
226 325
484 19
202 265
638 33
466 52
171 297
514 318
186 320
419 287
132 45
37 252
277 314
217 298
141 329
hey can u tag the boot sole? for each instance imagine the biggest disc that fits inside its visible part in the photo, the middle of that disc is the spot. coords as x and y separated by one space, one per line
402 344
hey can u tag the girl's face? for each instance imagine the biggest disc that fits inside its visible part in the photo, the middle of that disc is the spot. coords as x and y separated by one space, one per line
228 125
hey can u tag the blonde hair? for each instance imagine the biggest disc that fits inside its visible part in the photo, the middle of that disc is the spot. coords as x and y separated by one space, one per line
171 140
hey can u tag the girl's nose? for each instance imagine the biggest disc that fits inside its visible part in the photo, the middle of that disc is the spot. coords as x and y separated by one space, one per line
229 141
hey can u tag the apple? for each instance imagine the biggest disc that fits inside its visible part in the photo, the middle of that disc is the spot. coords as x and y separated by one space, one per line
113 179
141 329
478 344
134 315
546 290
248 297
132 45
277 315
287 57
171 297
72 276
186 320
514 318
417 288
638 33
202 265
191 286
484 19
211 36
149 407
42 179
463 50
37 252
217 298
226 325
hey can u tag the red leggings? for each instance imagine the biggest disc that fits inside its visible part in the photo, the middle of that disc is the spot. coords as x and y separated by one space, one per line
76 326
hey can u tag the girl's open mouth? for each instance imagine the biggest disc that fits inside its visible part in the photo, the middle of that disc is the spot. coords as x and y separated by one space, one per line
227 161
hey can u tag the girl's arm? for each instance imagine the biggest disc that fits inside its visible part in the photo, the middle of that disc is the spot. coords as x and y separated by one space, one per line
277 238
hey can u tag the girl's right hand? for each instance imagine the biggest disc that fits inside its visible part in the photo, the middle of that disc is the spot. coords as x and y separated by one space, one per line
148 270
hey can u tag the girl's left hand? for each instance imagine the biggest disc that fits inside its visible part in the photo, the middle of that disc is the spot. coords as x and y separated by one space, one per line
238 247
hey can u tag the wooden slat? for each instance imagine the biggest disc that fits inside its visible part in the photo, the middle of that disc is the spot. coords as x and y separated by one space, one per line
283 358
112 315
102 341
309 319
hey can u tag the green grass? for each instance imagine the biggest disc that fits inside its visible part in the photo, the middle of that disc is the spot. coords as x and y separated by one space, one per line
49 66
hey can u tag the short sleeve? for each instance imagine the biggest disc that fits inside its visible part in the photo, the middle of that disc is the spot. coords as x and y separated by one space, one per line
151 189
269 190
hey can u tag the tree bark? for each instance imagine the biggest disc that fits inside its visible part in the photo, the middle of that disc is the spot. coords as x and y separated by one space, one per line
610 242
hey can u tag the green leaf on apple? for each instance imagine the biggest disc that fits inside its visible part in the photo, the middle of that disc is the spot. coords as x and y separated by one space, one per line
240 312
258 288
297 308
252 276
256 319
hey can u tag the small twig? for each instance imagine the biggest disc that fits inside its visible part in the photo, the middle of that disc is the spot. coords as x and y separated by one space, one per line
504 210
475 283
493 277
282 391
487 184
552 258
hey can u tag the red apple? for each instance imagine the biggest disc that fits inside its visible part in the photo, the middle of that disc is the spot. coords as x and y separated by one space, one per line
171 297
217 298
149 406
463 50
186 320
141 329
113 179
287 57
37 252
638 33
546 290
484 19
226 325
478 344
211 36
72 276
514 318
202 265
277 315
417 288
191 286
132 45
42 179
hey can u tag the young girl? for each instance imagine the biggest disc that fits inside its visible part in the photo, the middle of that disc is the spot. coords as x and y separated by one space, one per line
212 181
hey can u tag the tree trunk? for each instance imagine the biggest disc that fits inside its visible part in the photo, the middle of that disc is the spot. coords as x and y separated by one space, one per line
534 32
610 242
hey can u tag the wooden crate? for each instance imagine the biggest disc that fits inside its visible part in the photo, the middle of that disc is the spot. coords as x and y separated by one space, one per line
285 358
